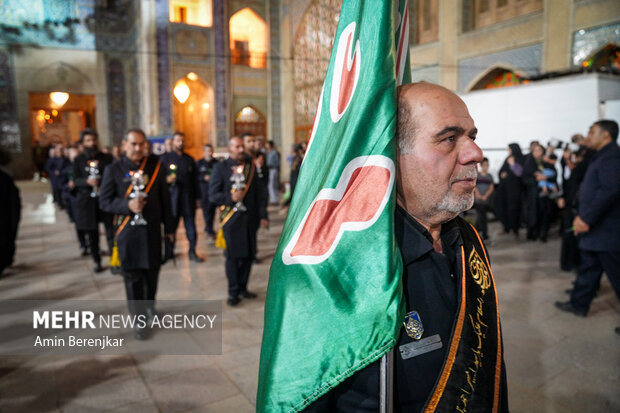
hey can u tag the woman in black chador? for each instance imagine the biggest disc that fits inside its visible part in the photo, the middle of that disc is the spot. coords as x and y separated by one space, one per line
509 192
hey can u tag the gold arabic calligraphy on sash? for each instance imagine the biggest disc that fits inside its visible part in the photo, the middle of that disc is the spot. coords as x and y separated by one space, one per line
479 271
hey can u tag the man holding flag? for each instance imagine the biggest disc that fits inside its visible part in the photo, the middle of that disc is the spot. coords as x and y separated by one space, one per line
355 262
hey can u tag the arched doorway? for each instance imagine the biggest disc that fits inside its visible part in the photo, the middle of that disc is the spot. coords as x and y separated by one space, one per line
497 77
248 39
249 119
58 117
312 50
193 108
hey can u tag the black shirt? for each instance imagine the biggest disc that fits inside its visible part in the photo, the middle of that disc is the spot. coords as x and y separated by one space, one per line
430 288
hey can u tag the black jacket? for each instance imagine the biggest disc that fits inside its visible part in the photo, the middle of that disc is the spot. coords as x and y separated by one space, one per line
599 197
240 229
139 246
184 192
87 213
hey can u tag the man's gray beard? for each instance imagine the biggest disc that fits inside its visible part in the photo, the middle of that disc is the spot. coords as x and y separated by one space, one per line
454 204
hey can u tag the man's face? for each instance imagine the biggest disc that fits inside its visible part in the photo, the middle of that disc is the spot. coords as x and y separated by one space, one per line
178 143
208 152
250 141
168 145
437 177
236 148
597 138
134 146
258 145
89 141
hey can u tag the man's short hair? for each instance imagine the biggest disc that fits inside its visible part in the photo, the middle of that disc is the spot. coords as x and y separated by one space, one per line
610 126
484 160
208 145
405 126
244 134
272 143
176 132
136 130
88 131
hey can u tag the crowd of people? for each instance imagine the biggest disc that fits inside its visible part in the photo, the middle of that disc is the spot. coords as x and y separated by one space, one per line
581 194
96 186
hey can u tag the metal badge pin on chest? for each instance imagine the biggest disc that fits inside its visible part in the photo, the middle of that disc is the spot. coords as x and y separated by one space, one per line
413 325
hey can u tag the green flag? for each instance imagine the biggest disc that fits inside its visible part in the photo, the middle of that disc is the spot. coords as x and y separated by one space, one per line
334 297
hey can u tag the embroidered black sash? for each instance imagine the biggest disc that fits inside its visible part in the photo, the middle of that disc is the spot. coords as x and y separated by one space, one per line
471 374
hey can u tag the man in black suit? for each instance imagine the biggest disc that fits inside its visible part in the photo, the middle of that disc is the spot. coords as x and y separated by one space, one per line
243 210
139 246
88 215
204 169
598 221
180 170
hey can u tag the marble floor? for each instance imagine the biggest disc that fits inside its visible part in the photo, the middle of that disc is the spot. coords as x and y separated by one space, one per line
556 362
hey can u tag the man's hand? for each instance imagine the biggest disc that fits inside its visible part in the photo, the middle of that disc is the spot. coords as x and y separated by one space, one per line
93 181
71 184
171 179
580 226
170 237
207 178
237 196
264 223
137 205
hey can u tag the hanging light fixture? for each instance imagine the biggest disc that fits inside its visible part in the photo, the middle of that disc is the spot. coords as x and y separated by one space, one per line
192 76
181 91
59 98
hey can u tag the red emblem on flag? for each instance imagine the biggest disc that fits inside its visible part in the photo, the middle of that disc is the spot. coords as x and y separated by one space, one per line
354 205
344 78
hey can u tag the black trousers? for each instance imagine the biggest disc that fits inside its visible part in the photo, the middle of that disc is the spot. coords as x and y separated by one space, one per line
481 219
208 212
589 275
141 287
238 274
190 231
93 241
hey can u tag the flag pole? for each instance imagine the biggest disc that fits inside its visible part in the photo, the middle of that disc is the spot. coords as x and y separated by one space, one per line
386 385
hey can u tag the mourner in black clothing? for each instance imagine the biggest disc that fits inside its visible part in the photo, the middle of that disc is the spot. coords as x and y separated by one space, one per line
598 223
243 210
537 203
88 168
139 246
67 180
182 179
10 213
577 164
204 169
447 278
508 195
53 166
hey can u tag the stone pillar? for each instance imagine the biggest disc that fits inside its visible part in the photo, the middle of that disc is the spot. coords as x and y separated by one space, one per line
164 89
449 27
222 51
147 69
275 97
557 24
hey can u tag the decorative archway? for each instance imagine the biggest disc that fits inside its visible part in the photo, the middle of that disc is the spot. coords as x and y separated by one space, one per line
495 77
604 59
248 39
193 112
312 50
249 119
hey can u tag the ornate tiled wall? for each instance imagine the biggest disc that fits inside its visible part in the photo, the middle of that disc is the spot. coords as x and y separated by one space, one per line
221 52
586 42
9 127
526 59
